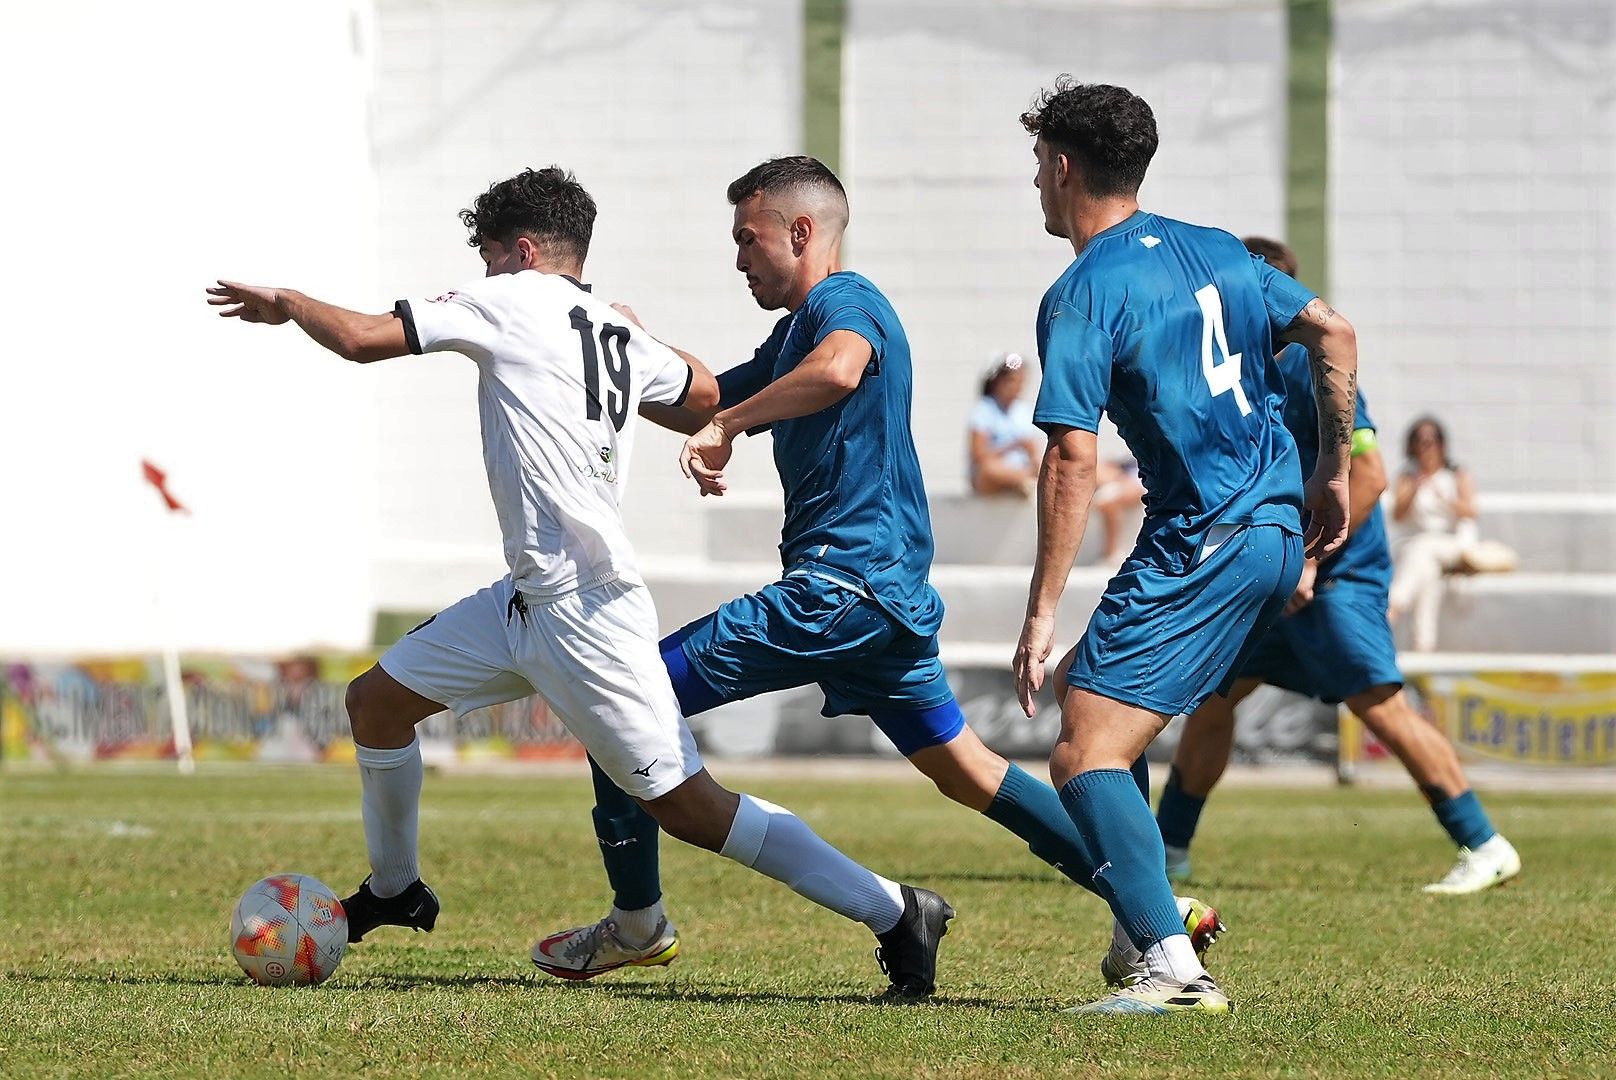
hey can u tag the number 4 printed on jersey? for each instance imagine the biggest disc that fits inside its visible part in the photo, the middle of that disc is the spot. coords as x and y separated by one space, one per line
1225 377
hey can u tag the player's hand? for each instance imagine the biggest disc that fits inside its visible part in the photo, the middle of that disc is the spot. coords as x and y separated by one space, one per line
704 456
1327 513
249 303
628 313
1303 594
1037 639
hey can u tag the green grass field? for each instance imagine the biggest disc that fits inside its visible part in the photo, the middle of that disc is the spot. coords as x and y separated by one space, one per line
116 889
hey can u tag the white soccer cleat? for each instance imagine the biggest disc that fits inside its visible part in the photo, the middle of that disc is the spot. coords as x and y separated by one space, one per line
1178 863
1124 965
1493 863
1158 997
586 951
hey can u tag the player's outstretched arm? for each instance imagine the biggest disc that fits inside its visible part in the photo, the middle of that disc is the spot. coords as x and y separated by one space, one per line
1332 349
700 404
1065 488
352 335
823 377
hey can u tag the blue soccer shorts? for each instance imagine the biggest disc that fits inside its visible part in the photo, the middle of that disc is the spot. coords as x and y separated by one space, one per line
811 628
1334 648
1167 641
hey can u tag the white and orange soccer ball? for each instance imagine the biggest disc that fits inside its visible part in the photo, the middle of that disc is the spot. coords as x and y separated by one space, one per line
289 930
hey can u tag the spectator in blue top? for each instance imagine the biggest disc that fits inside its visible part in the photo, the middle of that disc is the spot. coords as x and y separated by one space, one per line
1005 446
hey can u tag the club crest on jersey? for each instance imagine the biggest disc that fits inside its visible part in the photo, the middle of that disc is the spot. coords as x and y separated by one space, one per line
445 298
605 470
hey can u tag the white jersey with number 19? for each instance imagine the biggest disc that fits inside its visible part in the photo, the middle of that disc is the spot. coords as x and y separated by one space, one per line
561 376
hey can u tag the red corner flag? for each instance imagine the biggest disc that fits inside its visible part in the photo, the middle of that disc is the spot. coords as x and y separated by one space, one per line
158 479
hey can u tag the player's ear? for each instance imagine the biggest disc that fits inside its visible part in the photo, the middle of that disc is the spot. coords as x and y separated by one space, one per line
1062 169
528 251
802 230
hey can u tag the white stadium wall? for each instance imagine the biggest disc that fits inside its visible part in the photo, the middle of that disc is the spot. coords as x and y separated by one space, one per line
656 107
945 216
150 149
1474 228
1473 145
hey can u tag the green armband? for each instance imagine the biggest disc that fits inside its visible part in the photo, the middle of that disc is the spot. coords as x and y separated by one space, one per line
1364 440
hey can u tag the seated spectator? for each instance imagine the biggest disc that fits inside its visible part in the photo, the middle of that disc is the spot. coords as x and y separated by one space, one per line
1119 490
1435 503
1005 446
1007 449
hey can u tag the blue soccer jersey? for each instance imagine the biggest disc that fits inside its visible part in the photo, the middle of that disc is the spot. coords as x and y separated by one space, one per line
1169 328
854 498
1366 558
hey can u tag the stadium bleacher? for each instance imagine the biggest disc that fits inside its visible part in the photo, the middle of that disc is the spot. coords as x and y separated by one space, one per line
1561 600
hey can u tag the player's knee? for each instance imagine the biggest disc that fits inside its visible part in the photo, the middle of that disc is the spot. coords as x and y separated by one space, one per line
355 700
1064 763
697 812
368 717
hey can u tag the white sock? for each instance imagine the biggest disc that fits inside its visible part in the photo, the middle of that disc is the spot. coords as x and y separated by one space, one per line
639 926
1174 958
1122 944
391 803
774 841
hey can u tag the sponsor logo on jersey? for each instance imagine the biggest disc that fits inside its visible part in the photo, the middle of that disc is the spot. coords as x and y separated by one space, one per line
606 470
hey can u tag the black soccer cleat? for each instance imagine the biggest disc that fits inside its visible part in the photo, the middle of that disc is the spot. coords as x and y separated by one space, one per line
415 907
908 952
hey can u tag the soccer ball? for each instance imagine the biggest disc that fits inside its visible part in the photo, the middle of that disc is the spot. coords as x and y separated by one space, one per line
289 930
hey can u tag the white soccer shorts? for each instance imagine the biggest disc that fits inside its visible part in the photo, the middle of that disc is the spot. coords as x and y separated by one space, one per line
592 654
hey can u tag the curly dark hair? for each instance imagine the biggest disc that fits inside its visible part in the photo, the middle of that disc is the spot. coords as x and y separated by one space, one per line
785 173
1109 131
1276 254
548 206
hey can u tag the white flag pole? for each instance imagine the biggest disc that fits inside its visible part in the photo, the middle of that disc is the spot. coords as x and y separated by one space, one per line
173 683
174 690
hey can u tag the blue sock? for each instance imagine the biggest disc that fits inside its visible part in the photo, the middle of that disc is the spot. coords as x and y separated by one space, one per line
1464 819
1033 811
628 844
1178 813
1125 846
1141 776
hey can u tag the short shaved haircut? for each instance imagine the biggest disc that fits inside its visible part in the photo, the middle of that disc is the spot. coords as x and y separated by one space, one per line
800 184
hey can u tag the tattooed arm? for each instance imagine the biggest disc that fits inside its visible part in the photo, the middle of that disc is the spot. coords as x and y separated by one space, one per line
1332 349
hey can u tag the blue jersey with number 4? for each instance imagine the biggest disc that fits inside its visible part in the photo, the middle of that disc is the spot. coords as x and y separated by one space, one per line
1169 329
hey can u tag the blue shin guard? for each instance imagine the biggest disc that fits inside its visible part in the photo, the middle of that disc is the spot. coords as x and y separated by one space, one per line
628 845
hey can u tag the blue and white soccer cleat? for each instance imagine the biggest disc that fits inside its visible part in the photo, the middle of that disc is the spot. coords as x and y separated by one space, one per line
1158 997
1123 964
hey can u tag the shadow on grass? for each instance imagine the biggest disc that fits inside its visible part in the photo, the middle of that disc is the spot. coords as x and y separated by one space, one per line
1028 877
183 978
642 991
659 992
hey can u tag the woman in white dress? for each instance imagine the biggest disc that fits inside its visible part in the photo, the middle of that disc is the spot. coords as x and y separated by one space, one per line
1435 505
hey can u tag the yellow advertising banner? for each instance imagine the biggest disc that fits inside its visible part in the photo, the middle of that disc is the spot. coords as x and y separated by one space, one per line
1525 717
